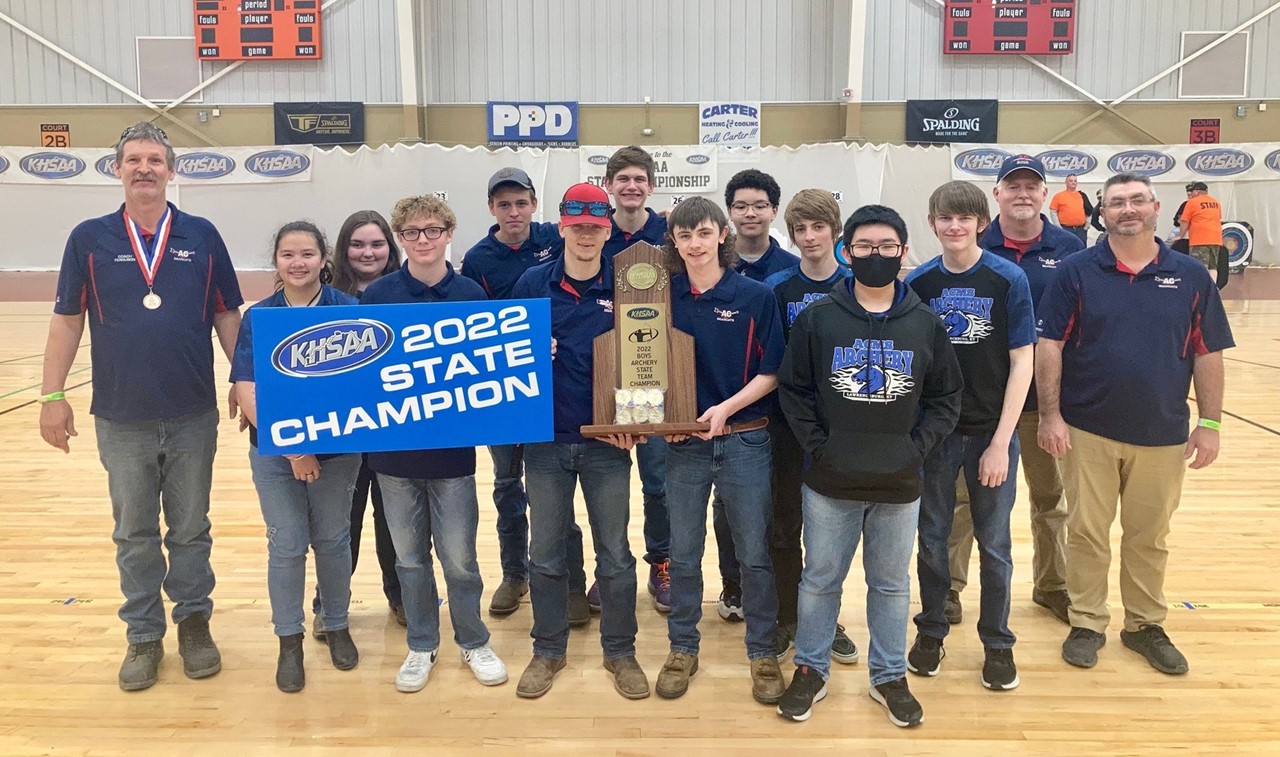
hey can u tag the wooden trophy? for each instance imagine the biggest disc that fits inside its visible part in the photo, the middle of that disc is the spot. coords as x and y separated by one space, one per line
644 381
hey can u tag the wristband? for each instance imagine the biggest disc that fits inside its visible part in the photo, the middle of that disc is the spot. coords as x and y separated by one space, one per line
1211 425
52 397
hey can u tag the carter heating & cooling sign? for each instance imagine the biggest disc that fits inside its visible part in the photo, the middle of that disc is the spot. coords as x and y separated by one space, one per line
943 121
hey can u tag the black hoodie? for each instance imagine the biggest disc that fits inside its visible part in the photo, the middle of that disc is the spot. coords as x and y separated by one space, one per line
869 396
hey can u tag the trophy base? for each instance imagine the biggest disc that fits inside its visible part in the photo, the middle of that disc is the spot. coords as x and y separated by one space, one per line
643 429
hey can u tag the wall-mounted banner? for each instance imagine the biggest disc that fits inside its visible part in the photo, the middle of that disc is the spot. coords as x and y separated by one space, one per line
944 121
378 378
1257 161
681 169
217 165
729 124
319 123
528 124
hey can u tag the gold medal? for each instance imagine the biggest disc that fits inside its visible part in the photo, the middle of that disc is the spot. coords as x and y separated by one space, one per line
151 301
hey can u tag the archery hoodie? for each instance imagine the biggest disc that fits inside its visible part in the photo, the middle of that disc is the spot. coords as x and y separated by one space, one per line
869 395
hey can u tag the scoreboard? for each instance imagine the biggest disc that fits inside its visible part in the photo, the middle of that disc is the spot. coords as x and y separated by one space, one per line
257 29
1009 27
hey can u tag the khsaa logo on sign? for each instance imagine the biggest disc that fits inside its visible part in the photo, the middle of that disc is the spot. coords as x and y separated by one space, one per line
698 159
1273 161
52 165
277 164
4 164
106 166
984 161
204 165
598 160
330 348
1142 162
1067 162
1220 161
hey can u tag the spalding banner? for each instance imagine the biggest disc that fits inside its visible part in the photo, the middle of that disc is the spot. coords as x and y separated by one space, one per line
215 165
1094 163
380 378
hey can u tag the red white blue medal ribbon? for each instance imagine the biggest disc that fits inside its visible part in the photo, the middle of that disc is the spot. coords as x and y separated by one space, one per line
150 256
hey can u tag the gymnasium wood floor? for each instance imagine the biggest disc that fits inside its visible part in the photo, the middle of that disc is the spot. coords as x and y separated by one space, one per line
61 643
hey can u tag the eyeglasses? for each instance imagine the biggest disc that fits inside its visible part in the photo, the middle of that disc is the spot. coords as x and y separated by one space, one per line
1119 203
134 130
883 250
759 207
431 232
580 208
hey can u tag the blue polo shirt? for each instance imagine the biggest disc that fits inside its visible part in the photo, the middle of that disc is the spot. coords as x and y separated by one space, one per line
795 291
737 335
575 322
774 260
497 266
148 364
1130 342
242 358
1039 263
654 232
400 287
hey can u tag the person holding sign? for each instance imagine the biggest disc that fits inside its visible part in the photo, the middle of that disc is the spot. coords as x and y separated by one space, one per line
737 350
305 499
580 287
153 394
430 495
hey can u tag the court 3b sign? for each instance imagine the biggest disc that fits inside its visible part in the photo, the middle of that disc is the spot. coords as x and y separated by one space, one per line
533 124
946 121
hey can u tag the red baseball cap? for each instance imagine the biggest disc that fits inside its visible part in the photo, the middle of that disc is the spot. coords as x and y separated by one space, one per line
590 196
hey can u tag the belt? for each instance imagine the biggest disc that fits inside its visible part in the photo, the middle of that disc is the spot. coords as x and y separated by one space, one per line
739 428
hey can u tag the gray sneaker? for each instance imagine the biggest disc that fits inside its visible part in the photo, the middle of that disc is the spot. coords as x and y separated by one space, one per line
1081 646
1153 643
141 665
200 657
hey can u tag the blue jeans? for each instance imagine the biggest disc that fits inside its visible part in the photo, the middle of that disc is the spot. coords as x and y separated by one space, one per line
513 523
604 472
990 507
299 515
726 560
366 489
738 466
832 530
153 467
651 458
443 512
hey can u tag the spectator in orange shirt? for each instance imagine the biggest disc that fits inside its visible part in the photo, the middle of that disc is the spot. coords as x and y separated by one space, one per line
1071 208
1201 223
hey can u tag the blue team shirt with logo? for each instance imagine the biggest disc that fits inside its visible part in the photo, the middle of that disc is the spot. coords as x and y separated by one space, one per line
795 291
774 260
654 232
496 266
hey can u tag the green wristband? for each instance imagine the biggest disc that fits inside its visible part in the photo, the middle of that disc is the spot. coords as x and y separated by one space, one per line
1212 425
53 397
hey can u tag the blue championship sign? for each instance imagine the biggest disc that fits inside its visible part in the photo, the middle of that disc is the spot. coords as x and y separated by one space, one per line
380 378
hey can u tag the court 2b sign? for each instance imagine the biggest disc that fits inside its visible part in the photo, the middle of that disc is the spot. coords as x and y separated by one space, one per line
946 121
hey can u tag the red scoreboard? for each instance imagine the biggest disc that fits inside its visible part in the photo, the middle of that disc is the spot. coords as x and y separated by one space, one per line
1009 27
258 29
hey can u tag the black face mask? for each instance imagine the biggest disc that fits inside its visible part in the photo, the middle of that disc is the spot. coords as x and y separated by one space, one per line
875 271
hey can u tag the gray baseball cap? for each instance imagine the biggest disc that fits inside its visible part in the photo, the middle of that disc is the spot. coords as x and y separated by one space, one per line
514 176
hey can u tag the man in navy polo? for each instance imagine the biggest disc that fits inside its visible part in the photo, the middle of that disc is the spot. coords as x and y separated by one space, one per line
1021 233
580 287
515 244
152 282
1124 328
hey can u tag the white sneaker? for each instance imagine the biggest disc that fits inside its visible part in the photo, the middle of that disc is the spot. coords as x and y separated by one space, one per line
413 673
485 664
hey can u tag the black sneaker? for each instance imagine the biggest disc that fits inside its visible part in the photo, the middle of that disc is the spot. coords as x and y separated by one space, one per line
925 657
998 672
1153 643
952 610
843 650
1081 647
730 605
904 711
1057 602
783 639
806 689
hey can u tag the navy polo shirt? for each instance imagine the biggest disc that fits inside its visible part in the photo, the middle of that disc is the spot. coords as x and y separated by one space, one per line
1040 263
401 287
148 364
737 335
774 260
1130 342
575 322
496 266
795 291
654 232
242 358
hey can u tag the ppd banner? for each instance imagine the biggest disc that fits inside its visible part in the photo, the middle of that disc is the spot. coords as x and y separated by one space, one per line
679 170
729 124
943 121
319 123
1255 161
538 124
379 378
217 165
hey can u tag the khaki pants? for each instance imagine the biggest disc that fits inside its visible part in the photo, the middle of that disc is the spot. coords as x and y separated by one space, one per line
1147 481
1048 516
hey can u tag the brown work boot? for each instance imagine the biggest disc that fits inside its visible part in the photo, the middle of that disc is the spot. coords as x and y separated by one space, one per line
141 665
538 676
628 678
506 598
673 680
200 656
767 685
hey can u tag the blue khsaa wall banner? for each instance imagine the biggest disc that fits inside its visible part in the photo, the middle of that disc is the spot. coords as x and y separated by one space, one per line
378 378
